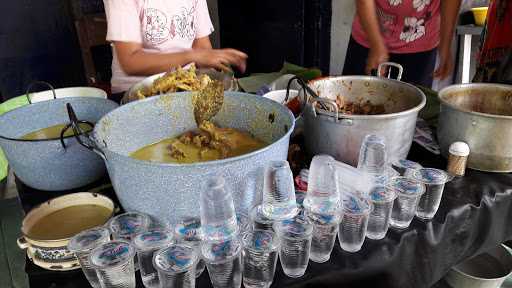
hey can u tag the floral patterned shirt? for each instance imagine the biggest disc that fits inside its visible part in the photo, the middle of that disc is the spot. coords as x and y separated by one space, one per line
407 26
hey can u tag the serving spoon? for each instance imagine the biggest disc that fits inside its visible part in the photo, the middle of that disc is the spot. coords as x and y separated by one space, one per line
208 101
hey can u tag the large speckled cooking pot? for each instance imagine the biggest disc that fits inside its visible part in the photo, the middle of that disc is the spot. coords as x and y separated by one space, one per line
171 191
52 165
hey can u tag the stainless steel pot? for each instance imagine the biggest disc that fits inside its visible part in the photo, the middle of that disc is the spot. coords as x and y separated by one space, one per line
481 116
327 131
171 191
58 164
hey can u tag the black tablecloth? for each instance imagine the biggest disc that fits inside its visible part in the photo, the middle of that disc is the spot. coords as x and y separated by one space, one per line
475 215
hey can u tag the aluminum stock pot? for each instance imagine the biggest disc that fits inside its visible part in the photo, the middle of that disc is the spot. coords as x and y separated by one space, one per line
327 131
480 115
171 191
53 164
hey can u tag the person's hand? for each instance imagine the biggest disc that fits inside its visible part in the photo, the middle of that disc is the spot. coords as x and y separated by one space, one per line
376 55
445 67
220 59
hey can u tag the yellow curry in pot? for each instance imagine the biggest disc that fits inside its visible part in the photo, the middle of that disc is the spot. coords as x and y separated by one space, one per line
207 143
53 132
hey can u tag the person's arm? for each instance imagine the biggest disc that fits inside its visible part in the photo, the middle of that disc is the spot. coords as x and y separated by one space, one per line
449 17
202 43
135 61
367 14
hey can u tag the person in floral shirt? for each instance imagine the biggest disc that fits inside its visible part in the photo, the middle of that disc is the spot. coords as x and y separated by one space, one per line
409 32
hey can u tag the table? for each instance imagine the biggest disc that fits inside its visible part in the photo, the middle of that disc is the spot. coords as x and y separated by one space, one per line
475 215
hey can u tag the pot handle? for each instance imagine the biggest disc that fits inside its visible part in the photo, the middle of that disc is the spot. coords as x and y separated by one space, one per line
29 89
90 143
22 243
326 102
307 90
389 65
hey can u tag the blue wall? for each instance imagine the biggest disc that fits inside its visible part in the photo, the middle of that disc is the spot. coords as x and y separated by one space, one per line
37 42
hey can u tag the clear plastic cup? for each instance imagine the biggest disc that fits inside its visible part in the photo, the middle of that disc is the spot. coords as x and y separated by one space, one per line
189 232
125 226
354 221
372 155
295 236
260 253
146 244
405 167
113 262
279 192
408 192
259 221
224 262
82 244
325 229
176 266
382 199
434 180
218 217
323 195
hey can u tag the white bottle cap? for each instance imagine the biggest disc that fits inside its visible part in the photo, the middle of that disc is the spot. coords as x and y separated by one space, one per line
460 149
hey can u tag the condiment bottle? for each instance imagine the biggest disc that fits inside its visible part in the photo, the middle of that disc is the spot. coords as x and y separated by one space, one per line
458 158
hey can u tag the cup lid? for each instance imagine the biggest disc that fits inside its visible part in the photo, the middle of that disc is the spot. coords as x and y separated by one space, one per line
431 176
299 225
189 230
355 205
175 258
382 194
111 254
258 216
460 149
220 250
407 186
129 224
406 164
259 240
152 239
88 239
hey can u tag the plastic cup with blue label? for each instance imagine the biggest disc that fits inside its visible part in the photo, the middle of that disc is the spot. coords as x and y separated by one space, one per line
176 266
146 244
382 199
260 253
113 262
434 181
408 192
189 232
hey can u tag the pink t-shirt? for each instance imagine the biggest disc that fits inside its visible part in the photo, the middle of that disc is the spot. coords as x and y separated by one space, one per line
161 26
408 26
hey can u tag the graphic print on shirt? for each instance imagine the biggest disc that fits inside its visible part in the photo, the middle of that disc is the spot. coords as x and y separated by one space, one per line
387 22
419 5
183 24
395 2
414 29
156 29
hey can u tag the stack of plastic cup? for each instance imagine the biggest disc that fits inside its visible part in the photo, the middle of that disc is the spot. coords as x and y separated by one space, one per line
224 262
279 192
434 181
113 262
354 222
382 199
218 218
259 221
260 248
82 244
146 244
295 236
409 192
176 266
322 206
189 232
372 155
405 167
353 181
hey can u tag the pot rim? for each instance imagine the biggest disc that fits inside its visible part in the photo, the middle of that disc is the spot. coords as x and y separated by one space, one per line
455 269
29 106
416 108
282 108
442 94
54 242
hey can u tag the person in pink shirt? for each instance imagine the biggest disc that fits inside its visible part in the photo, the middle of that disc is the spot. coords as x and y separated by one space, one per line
153 36
409 32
